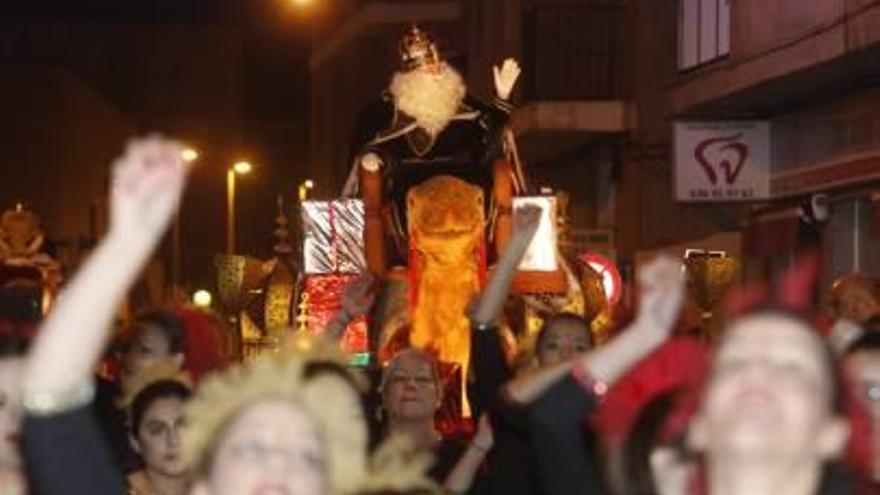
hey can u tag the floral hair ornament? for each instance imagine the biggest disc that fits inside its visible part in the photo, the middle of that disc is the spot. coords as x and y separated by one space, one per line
679 364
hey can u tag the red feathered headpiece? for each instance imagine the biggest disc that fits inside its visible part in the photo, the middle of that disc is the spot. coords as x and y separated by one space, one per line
682 364
679 364
206 343
795 292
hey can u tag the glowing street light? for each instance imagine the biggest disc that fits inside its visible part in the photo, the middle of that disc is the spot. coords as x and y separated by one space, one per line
239 168
189 155
304 189
242 168
202 298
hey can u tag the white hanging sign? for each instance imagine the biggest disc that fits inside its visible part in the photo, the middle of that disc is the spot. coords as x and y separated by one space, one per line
722 161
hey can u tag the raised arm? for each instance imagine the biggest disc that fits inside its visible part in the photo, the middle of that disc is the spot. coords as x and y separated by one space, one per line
147 182
661 294
491 301
556 418
489 365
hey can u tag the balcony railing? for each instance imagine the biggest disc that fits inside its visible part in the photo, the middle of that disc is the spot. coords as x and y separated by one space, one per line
574 52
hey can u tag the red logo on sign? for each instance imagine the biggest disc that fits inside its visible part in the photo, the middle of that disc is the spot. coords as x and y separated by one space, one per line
724 147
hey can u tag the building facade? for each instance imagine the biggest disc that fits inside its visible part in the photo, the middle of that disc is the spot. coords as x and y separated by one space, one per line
604 83
809 69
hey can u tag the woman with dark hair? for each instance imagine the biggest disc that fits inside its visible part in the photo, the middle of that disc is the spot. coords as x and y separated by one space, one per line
563 395
156 420
63 444
155 338
562 337
505 442
502 442
156 335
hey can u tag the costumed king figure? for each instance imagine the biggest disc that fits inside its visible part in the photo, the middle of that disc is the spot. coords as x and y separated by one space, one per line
424 125
424 159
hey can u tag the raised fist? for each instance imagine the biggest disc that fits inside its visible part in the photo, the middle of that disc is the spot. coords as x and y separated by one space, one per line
661 294
146 188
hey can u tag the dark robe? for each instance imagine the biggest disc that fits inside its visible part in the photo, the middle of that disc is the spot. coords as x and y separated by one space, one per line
466 149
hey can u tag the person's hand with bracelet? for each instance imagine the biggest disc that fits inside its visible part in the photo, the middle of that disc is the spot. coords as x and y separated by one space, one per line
357 300
661 296
483 439
462 476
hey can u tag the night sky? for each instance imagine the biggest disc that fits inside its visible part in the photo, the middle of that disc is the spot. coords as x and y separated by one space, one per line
274 99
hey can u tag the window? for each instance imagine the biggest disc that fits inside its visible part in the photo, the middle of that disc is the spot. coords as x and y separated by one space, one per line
703 31
852 243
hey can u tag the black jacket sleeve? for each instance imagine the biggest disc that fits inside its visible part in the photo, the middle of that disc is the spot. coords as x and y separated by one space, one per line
369 122
563 455
66 455
490 369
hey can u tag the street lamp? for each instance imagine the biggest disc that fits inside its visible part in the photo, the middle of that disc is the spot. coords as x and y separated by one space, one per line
240 168
304 189
202 298
189 155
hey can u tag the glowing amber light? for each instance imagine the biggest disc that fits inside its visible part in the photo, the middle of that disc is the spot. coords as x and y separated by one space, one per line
202 298
189 155
242 168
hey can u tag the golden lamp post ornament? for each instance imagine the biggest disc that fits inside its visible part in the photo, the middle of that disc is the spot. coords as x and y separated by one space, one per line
260 294
709 277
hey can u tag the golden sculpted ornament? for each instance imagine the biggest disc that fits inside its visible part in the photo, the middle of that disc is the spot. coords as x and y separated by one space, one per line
446 234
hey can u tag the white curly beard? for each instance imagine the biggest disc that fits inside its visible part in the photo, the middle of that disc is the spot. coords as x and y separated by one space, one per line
431 99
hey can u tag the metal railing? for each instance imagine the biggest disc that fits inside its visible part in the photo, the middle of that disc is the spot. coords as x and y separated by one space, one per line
574 52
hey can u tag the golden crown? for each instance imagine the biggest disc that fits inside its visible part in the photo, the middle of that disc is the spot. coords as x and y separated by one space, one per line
417 49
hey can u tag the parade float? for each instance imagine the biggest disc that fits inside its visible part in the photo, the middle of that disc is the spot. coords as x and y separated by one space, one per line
435 181
29 277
